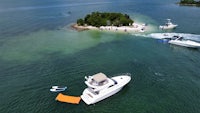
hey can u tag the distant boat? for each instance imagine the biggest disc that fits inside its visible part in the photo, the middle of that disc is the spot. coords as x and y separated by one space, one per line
58 88
168 25
186 43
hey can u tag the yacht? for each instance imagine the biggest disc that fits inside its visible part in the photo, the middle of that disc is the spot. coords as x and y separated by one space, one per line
186 43
168 25
101 87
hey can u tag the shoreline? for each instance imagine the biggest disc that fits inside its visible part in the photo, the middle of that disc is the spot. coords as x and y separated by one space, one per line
139 28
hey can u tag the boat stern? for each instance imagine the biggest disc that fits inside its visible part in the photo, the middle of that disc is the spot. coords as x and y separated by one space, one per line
87 97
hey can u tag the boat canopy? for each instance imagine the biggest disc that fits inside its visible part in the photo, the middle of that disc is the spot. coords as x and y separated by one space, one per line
99 77
68 99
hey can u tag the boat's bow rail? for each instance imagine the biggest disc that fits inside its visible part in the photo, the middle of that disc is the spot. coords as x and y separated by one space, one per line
123 74
122 79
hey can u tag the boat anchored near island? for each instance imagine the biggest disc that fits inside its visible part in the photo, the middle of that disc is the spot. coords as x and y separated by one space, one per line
101 87
168 25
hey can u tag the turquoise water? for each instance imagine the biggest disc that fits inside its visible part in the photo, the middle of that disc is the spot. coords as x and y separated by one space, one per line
38 49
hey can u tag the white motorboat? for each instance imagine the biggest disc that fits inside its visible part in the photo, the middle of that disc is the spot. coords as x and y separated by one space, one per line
101 87
168 25
186 43
58 88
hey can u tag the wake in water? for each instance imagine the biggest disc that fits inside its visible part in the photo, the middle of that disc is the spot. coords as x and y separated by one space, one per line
169 35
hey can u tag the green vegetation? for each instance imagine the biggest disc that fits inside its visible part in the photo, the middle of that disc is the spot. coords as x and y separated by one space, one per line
195 2
105 19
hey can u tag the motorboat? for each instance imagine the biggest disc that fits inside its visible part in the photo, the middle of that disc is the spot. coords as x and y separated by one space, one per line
164 37
101 87
186 43
58 88
168 25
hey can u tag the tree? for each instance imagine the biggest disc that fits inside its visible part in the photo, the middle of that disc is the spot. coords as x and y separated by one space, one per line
102 19
188 2
80 22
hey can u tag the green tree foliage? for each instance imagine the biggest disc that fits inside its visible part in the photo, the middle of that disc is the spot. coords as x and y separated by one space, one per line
80 22
102 19
189 2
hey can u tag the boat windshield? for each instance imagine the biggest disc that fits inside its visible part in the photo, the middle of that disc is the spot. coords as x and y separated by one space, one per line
92 91
180 38
114 81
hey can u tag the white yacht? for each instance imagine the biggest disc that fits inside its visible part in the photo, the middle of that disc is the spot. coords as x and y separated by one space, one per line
186 43
168 25
101 87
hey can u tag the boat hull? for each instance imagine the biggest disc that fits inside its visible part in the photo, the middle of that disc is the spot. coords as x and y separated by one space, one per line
56 90
91 98
189 44
168 27
89 101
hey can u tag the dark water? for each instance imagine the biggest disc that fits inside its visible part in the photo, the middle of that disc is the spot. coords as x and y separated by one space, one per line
38 49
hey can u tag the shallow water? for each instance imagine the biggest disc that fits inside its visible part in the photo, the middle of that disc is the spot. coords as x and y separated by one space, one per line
38 49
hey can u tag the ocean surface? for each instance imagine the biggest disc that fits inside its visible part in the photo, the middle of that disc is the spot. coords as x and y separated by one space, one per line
38 49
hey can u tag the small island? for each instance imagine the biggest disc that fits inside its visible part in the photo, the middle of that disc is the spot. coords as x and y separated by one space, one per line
105 21
190 2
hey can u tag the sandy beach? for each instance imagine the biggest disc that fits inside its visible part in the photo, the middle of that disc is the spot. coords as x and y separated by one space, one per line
135 27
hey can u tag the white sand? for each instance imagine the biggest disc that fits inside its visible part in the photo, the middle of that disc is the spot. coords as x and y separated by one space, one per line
129 29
